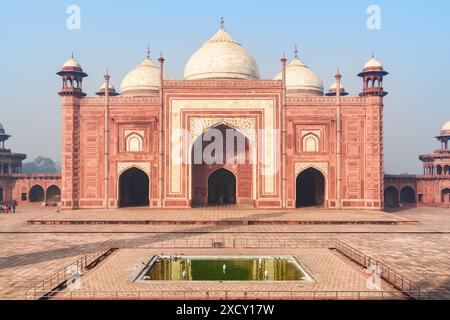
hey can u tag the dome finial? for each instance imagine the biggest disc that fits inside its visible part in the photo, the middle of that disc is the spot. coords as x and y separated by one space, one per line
148 52
71 55
373 54
295 52
222 23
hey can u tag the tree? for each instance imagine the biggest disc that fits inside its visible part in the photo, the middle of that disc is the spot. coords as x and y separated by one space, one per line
40 165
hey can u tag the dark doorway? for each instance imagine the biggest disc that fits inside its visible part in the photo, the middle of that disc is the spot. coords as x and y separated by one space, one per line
1 194
53 195
310 189
391 197
408 196
134 188
445 196
221 188
37 194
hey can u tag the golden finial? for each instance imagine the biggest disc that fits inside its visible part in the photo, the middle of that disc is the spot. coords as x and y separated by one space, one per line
222 23
295 52
148 52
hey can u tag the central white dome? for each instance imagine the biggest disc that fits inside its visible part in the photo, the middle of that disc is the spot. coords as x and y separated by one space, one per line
221 57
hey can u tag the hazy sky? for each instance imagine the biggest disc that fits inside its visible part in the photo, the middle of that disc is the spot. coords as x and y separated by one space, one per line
413 45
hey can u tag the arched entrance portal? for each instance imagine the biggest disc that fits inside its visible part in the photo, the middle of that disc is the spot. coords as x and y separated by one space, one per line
37 194
53 195
310 189
408 195
215 153
221 188
134 188
391 197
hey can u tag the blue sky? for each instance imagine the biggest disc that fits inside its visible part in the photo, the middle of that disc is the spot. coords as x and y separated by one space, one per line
412 44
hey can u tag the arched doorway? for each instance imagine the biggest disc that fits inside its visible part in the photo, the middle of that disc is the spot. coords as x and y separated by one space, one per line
407 195
1 194
53 195
37 194
221 188
134 188
445 196
310 189
226 148
391 197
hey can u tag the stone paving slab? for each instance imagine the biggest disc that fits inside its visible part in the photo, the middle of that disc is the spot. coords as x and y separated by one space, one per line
220 217
30 253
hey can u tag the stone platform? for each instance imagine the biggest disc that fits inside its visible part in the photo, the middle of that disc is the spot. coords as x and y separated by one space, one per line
220 216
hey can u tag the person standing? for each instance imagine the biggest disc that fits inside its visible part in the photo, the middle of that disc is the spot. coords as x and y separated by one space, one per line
14 206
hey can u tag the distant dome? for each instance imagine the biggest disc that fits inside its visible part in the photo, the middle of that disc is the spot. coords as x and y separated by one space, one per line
143 80
373 63
302 79
333 90
221 57
333 87
446 128
102 91
111 87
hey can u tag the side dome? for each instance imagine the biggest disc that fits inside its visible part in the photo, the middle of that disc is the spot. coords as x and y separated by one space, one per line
143 80
221 57
302 80
332 92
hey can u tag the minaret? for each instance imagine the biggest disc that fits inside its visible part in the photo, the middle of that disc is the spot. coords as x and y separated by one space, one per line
372 75
72 79
372 94
72 92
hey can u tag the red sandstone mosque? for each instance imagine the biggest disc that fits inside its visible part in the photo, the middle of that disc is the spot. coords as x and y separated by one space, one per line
300 146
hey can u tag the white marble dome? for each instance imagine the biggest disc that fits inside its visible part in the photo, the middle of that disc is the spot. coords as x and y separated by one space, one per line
333 87
446 126
144 79
103 86
373 63
72 63
300 78
221 57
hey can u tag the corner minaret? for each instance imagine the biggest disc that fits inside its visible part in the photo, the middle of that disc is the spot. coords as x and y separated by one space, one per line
372 75
72 79
71 93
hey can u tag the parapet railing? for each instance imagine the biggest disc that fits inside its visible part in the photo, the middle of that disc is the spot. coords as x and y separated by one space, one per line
224 295
391 276
58 280
54 285
205 243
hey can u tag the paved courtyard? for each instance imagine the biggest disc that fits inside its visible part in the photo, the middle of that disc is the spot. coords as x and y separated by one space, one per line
29 253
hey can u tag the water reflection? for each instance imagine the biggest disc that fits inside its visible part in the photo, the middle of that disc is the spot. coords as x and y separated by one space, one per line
225 269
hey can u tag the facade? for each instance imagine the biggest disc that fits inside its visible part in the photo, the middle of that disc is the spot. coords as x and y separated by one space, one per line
432 189
297 147
23 188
